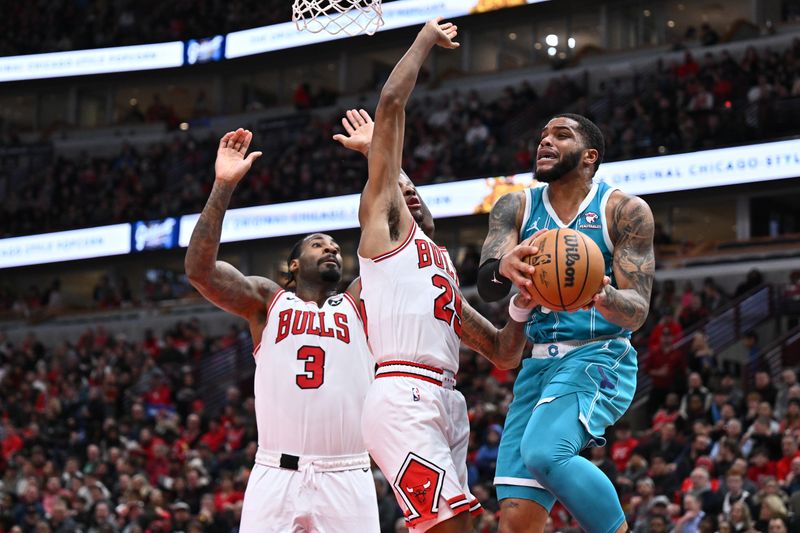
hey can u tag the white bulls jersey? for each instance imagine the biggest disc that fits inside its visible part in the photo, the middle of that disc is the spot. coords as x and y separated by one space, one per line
313 370
413 303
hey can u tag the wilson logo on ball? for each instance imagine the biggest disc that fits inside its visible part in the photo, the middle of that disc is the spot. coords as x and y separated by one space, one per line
568 269
572 257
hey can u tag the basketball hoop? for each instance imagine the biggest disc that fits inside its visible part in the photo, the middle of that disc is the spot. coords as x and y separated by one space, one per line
352 17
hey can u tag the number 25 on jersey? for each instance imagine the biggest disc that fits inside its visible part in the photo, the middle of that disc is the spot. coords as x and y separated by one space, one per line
442 308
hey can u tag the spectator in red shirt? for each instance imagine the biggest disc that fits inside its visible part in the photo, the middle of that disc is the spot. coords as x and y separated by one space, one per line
668 413
12 443
667 324
790 451
624 444
226 496
688 68
761 467
158 467
791 421
214 437
234 433
665 366
302 97
159 396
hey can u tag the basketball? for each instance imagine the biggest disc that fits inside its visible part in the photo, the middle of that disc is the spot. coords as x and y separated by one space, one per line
569 269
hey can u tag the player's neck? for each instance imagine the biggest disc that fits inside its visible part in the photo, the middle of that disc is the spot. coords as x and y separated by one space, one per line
569 191
314 291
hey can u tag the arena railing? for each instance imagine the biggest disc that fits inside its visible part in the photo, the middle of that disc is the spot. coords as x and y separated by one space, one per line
723 328
225 368
781 353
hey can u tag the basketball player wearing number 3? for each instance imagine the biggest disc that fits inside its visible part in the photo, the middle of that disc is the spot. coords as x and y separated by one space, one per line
581 376
414 422
313 370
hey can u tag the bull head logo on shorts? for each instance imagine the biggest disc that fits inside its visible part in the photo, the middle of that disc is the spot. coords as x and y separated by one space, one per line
419 491
418 486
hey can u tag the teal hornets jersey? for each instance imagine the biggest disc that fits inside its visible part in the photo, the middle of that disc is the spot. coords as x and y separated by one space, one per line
544 325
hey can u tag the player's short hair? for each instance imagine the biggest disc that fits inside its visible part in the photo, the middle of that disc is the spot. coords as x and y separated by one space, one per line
591 134
297 249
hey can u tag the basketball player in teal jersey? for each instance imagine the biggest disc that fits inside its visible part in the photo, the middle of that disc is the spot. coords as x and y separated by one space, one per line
581 376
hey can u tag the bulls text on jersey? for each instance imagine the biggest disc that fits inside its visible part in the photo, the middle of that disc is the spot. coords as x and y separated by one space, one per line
297 322
430 254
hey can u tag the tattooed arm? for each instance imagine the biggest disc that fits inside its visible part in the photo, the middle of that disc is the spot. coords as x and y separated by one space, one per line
502 347
219 282
502 254
631 230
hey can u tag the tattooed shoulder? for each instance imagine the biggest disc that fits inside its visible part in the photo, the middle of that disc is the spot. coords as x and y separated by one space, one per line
631 230
631 219
504 223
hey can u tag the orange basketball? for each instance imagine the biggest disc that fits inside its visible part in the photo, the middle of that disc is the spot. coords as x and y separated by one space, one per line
569 269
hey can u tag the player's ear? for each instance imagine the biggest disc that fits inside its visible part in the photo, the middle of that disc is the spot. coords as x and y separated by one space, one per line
294 266
590 156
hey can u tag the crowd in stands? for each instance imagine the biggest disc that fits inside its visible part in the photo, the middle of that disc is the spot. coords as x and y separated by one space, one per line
689 105
110 292
111 434
61 25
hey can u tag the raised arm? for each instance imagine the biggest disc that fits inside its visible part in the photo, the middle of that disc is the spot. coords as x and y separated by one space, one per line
359 128
219 282
631 231
383 216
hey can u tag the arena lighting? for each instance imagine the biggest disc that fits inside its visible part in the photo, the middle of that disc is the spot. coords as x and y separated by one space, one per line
551 51
97 61
571 42
651 175
399 14
87 243
551 40
709 168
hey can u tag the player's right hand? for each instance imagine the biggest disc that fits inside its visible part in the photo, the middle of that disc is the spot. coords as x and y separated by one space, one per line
514 267
443 32
359 127
231 164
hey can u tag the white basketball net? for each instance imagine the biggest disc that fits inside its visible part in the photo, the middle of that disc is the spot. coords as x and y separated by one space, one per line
352 17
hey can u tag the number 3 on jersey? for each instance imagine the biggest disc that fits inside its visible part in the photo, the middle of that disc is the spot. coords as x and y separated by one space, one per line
314 371
441 305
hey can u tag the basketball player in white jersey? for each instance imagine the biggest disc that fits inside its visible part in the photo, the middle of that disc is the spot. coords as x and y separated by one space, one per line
313 370
414 422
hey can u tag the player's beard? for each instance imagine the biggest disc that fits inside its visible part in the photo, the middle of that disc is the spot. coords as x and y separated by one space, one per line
568 163
331 275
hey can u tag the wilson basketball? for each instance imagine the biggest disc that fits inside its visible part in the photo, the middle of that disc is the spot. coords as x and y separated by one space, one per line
569 269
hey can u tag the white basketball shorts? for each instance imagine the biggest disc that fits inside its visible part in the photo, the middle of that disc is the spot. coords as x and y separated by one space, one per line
311 499
416 429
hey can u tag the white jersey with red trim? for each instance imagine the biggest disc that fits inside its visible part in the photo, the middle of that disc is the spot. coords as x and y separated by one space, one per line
413 303
313 370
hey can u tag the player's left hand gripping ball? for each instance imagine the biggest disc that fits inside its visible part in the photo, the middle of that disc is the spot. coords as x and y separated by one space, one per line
598 300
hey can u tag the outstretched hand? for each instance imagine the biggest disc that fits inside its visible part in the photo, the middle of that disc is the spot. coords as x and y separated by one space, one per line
443 33
359 126
231 164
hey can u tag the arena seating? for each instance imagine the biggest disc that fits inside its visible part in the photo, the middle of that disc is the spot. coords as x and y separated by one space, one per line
149 435
697 104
